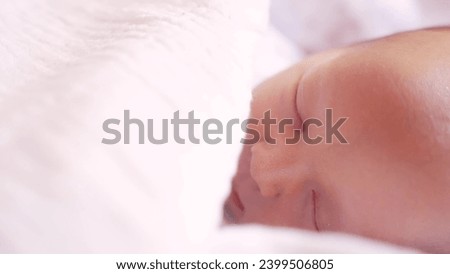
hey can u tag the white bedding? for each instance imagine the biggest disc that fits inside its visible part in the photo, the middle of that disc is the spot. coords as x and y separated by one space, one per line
67 65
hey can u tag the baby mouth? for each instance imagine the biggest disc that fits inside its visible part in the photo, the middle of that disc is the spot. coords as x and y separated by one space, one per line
233 209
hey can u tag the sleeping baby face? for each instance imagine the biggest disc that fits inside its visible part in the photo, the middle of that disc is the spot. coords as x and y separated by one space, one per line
390 179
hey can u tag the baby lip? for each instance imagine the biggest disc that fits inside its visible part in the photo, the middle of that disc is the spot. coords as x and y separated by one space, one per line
237 200
233 208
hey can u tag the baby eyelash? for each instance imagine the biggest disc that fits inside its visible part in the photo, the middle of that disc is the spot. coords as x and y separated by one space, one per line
315 211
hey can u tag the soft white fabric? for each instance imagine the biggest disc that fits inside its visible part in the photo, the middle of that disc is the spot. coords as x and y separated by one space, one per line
67 65
323 24
260 239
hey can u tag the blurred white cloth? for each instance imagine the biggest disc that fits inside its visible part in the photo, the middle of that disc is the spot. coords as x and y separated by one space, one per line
323 24
68 65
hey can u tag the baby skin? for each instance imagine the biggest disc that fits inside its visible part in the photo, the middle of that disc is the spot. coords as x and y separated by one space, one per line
390 180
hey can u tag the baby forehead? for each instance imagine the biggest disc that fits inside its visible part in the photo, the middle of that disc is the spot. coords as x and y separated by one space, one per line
327 85
357 83
277 94
380 87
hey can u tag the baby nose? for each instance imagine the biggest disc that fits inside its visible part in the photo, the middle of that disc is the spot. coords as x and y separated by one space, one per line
278 169
264 172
